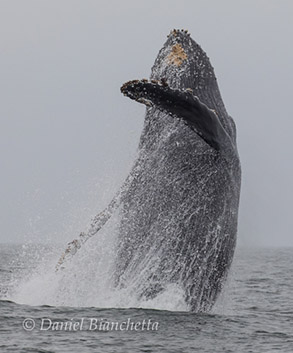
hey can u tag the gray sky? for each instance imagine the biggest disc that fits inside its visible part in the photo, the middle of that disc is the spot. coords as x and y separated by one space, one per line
68 137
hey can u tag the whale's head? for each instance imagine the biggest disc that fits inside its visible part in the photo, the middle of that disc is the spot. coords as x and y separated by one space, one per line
182 83
184 65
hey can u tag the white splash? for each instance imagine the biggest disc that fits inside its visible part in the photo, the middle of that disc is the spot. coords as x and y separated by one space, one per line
87 280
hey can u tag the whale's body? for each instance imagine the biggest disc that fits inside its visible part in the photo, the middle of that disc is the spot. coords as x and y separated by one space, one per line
179 206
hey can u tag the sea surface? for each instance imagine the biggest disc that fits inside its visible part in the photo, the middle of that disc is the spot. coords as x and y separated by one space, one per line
43 313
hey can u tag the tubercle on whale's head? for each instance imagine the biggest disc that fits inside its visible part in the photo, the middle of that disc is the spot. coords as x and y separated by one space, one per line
183 64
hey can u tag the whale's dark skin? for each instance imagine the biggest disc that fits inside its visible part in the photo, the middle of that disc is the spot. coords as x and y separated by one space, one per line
179 205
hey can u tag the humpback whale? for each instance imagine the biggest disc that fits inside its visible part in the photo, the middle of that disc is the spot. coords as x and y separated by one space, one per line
178 207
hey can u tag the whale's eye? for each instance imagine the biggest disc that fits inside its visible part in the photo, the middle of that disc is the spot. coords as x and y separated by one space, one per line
177 55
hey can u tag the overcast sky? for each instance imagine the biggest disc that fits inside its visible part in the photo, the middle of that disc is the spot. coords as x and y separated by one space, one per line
68 137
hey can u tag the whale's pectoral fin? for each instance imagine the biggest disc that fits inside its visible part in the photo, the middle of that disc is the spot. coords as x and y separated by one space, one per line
97 223
182 104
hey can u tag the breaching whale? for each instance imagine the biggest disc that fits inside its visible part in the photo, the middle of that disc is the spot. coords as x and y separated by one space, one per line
178 207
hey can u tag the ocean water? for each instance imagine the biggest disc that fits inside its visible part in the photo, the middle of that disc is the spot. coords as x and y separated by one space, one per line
77 311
